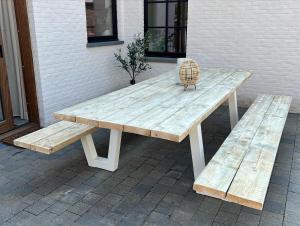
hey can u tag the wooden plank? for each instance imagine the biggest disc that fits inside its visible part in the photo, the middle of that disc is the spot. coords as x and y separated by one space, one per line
177 126
98 111
25 141
220 171
54 137
70 113
258 164
280 106
94 114
61 139
143 108
166 108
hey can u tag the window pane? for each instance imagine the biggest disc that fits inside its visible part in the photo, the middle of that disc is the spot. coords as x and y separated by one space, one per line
157 40
99 18
157 14
176 40
177 16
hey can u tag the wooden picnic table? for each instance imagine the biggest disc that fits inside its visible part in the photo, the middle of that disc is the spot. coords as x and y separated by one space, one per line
158 108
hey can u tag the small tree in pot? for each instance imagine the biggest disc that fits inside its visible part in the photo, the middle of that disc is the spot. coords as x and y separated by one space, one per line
134 62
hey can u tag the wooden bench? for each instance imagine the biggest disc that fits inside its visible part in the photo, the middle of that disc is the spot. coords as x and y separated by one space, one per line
241 169
54 137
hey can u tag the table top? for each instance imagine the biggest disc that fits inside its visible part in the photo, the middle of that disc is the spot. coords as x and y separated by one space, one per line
158 107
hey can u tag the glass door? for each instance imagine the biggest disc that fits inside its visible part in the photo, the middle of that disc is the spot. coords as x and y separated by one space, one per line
6 117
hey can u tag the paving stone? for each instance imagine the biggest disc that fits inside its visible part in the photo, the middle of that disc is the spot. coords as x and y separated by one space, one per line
161 188
153 197
121 190
293 197
286 223
45 189
153 185
158 218
66 218
58 207
201 219
268 218
295 188
248 219
79 208
37 208
124 207
210 205
130 182
165 208
148 180
274 207
111 200
292 217
226 218
278 189
71 197
91 198
32 198
132 219
280 180
111 219
144 207
3 180
181 216
156 174
83 189
90 219
230 207
292 207
19 219
48 200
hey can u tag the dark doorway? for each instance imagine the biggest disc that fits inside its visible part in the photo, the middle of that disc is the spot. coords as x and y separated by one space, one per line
19 92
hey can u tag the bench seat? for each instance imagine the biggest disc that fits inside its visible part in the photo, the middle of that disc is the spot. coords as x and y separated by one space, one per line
241 169
55 137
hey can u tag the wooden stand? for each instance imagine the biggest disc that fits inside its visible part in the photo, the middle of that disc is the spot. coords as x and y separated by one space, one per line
111 162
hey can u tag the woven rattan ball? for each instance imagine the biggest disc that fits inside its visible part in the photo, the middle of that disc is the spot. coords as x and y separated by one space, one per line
189 73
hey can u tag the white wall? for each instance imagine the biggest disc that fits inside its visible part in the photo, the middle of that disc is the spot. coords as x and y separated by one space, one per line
67 72
263 36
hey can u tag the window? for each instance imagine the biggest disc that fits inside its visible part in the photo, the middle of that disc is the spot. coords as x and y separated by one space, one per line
166 23
101 17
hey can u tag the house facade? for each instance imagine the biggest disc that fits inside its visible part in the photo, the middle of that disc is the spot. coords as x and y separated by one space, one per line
73 44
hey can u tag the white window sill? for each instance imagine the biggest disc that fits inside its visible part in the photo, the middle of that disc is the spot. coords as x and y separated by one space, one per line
161 59
108 43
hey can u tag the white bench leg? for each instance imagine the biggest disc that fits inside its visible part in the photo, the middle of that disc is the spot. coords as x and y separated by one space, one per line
111 162
233 110
197 150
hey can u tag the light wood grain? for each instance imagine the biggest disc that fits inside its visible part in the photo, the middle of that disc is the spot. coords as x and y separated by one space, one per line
150 108
226 161
54 137
241 169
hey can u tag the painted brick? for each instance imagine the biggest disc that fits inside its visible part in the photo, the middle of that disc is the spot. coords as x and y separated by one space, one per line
67 72
261 36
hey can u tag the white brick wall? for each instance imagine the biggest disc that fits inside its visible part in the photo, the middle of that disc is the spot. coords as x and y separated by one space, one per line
67 72
262 36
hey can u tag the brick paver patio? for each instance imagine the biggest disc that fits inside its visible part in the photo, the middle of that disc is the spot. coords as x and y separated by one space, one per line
153 185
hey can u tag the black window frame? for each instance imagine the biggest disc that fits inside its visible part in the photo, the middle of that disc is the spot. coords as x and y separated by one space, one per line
167 27
113 37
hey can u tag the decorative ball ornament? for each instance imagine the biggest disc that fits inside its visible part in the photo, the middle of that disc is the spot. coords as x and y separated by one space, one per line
189 73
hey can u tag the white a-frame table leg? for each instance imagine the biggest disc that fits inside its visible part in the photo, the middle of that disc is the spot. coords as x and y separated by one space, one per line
197 150
111 162
233 110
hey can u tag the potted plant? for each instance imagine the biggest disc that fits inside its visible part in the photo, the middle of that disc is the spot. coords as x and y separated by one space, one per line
134 61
